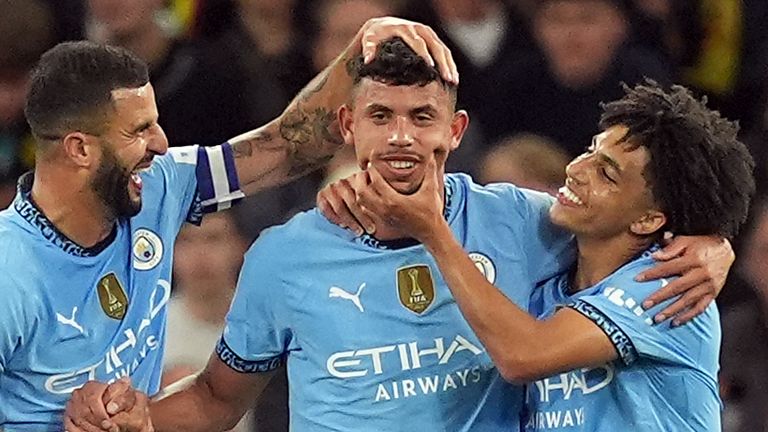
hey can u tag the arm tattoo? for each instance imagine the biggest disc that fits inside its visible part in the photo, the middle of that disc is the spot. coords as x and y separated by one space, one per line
259 140
313 137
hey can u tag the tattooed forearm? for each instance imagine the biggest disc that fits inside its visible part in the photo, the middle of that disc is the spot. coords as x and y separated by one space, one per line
260 139
313 137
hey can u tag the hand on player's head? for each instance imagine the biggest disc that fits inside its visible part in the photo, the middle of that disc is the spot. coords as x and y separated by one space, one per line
421 38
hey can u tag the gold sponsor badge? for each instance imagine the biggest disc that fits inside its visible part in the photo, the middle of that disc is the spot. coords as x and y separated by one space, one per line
112 297
415 287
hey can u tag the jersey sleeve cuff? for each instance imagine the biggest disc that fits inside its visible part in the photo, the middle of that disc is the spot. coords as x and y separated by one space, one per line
239 364
620 340
218 186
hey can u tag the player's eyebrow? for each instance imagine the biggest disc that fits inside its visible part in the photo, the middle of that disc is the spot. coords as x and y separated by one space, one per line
604 157
610 161
426 109
375 107
142 126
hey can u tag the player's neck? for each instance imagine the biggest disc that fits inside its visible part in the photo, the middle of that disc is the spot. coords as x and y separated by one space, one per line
598 258
71 206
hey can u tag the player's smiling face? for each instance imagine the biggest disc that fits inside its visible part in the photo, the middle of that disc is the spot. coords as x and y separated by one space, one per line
606 193
131 140
398 128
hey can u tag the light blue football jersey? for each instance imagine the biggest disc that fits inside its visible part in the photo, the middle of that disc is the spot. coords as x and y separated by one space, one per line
664 380
372 336
70 314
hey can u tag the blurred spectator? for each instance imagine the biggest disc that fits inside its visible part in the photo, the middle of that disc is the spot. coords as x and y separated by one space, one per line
208 260
268 30
485 37
25 26
69 19
732 65
585 58
672 28
744 377
200 90
528 161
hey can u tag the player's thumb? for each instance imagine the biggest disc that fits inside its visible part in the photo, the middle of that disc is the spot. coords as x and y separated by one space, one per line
430 175
119 396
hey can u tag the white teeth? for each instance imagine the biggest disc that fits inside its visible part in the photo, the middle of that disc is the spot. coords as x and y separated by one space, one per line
570 195
401 164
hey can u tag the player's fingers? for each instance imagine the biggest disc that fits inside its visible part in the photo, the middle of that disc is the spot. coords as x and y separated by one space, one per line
326 209
362 219
694 311
339 199
430 176
674 249
119 396
441 54
377 182
664 269
678 286
86 426
70 426
121 402
684 302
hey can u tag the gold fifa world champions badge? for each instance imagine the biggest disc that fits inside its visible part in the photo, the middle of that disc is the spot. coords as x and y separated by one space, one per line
415 287
112 297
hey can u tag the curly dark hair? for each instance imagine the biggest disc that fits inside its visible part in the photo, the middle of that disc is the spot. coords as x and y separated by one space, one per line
397 64
71 86
700 174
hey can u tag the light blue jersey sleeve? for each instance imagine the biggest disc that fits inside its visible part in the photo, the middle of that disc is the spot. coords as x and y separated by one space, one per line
548 249
18 313
616 309
195 180
256 337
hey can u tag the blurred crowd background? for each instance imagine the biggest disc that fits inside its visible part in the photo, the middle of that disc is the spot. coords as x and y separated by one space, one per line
533 73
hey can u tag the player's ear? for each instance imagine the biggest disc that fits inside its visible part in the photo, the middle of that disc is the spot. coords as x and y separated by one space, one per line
80 148
345 124
649 223
459 125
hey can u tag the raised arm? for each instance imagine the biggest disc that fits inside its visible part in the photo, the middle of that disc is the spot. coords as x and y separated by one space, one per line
306 135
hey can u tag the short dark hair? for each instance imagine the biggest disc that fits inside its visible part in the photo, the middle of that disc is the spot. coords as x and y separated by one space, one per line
700 174
397 64
71 87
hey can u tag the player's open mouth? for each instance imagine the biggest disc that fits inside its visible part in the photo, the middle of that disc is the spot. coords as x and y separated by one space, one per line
399 165
136 181
567 197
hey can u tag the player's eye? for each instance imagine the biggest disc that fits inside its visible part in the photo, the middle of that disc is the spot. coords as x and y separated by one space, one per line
605 175
379 116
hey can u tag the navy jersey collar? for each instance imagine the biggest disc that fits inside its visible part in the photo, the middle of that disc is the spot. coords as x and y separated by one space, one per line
28 210
448 212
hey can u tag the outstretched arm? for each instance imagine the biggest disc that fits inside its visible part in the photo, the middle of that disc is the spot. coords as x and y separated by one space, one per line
306 135
214 400
522 348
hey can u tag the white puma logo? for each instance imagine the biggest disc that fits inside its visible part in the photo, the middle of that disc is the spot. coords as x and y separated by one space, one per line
70 321
354 298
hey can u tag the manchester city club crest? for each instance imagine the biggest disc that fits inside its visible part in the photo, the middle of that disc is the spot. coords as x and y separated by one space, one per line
112 296
485 265
147 249
415 287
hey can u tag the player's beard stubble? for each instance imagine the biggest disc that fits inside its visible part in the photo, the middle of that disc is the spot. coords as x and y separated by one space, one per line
111 183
